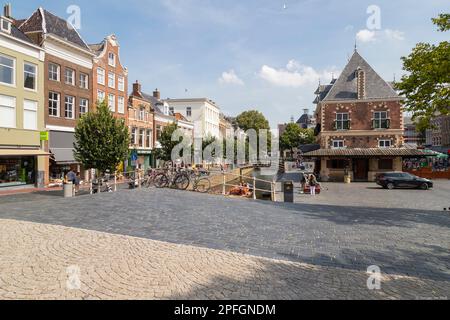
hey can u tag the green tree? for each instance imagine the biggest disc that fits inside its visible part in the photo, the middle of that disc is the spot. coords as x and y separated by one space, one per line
294 136
101 141
167 145
426 85
252 120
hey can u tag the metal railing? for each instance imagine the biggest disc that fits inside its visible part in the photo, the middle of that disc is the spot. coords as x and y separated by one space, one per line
137 178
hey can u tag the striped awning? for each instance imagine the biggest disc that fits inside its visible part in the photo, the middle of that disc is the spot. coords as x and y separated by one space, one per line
370 152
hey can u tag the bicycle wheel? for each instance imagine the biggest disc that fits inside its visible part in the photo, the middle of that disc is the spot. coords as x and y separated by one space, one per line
203 186
161 181
182 181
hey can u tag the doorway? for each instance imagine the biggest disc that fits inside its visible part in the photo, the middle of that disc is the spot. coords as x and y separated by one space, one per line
361 169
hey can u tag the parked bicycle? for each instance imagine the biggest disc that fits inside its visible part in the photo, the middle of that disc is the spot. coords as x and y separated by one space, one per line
101 185
201 184
173 179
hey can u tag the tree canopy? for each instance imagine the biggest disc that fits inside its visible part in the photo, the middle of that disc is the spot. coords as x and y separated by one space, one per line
252 120
101 141
294 136
167 145
427 83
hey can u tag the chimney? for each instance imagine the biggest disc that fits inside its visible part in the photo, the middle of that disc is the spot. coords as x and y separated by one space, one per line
7 10
306 111
137 87
361 83
157 94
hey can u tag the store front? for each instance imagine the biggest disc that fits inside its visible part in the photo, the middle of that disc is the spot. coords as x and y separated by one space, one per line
22 168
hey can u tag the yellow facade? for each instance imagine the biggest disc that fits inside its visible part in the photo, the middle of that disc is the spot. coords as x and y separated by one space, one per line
18 138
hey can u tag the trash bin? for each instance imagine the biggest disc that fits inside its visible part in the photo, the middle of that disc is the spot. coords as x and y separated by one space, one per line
68 190
288 191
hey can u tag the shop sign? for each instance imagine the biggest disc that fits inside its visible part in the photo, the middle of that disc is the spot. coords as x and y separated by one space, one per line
44 135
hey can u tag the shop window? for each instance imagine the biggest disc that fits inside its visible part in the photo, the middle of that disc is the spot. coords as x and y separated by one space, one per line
386 164
17 171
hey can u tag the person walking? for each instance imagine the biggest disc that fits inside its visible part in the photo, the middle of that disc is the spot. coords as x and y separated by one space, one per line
312 184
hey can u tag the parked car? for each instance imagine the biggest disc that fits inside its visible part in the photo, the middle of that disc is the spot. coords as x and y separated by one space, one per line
393 180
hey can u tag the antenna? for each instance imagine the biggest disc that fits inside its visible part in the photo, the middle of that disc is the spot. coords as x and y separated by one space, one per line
356 46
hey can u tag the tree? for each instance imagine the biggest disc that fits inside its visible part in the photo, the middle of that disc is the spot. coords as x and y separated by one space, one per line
252 120
101 141
427 84
167 145
294 136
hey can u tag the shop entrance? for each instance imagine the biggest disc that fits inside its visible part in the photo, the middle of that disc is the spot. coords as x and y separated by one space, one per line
361 169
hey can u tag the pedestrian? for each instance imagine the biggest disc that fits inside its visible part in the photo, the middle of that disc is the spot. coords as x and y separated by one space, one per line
71 176
312 184
303 182
77 182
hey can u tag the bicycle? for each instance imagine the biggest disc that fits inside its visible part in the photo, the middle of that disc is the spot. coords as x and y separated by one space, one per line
179 180
201 184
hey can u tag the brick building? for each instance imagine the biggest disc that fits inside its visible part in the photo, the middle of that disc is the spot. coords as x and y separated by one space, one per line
67 83
141 125
110 77
359 125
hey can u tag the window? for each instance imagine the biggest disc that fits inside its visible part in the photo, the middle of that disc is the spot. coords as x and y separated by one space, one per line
100 96
158 132
342 121
142 114
7 112
30 76
149 139
142 138
121 105
121 83
68 107
7 70
69 76
381 120
30 115
84 81
112 59
337 164
385 164
189 112
53 72
171 110
338 144
100 76
53 104
6 26
384 143
111 80
112 102
133 136
84 106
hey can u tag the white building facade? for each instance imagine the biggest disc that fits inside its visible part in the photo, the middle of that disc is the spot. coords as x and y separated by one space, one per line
204 113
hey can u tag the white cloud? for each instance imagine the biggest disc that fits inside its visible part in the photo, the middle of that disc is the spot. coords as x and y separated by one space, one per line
295 75
395 34
366 36
230 77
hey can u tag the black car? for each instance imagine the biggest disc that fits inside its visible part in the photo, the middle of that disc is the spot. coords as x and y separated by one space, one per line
392 180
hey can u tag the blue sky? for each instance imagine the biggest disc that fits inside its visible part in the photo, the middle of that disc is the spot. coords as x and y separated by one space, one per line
254 54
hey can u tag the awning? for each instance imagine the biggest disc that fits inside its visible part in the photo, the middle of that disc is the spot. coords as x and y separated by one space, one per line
63 155
22 152
370 152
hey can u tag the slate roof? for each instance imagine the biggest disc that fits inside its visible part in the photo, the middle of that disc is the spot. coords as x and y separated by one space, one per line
97 48
45 21
345 87
16 33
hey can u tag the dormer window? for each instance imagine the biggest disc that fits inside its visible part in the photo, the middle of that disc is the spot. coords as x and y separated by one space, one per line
6 25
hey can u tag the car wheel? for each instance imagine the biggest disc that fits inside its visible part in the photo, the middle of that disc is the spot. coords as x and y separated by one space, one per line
390 186
424 186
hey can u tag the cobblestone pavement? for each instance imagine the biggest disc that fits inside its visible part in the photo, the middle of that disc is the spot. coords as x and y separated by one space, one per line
404 242
51 262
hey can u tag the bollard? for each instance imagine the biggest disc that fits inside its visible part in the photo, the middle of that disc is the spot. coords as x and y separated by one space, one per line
115 181
68 190
224 188
254 188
